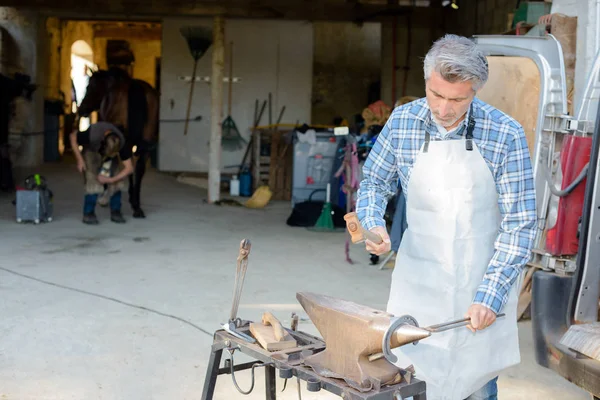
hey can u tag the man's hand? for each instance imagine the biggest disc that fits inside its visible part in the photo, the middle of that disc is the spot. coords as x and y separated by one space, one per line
80 165
381 248
104 180
481 317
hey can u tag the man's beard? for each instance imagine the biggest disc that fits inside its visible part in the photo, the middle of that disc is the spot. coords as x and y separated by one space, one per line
448 121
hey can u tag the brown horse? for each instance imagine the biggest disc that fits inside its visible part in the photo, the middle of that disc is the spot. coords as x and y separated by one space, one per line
131 105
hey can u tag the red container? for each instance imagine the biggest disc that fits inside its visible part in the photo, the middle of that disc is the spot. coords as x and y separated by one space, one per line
561 239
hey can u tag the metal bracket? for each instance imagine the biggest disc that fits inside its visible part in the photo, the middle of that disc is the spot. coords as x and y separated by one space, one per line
230 327
548 262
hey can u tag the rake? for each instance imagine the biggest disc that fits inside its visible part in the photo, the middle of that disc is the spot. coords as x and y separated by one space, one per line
199 39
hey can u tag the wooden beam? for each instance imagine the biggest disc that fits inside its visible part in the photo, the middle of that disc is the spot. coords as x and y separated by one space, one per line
216 109
294 10
116 32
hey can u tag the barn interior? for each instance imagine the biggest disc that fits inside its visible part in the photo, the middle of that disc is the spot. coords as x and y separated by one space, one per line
129 310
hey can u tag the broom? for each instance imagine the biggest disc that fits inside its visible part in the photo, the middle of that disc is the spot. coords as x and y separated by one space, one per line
325 221
199 39
231 138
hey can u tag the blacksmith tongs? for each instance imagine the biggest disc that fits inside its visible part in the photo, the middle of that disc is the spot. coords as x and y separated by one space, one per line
242 265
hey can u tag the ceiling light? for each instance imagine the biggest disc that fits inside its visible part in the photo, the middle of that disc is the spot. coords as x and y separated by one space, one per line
454 5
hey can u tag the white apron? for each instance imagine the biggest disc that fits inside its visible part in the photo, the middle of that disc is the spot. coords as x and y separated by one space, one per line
453 221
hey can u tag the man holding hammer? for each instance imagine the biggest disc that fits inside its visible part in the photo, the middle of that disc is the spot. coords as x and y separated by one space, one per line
465 169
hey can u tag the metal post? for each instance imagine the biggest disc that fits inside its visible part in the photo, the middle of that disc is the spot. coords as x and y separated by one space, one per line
270 383
212 371
216 112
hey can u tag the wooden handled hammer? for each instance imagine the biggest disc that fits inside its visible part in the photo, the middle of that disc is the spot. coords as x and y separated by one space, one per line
357 232
270 319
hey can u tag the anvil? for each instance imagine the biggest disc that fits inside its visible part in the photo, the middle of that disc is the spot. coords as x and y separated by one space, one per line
353 332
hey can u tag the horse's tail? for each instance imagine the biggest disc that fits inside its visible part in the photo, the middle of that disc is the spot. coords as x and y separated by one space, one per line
137 112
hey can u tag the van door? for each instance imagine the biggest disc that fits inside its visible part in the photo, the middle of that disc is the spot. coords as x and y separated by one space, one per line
527 81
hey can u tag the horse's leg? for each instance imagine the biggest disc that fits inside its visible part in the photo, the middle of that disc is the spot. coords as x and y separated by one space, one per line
135 184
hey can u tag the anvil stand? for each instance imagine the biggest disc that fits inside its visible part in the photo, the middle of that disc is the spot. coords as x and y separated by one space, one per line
289 362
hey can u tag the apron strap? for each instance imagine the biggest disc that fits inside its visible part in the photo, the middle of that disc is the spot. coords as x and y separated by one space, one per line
470 128
427 140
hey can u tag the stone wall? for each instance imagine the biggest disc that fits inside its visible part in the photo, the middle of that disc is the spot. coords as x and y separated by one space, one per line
22 51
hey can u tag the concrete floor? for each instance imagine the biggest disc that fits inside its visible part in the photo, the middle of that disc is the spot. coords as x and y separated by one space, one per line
66 335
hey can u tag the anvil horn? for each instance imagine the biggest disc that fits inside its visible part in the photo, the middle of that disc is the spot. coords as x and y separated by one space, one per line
352 332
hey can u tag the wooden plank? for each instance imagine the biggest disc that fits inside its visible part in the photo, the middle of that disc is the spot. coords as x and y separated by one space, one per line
128 33
513 86
256 179
584 338
330 10
266 337
274 165
280 172
525 295
564 29
216 111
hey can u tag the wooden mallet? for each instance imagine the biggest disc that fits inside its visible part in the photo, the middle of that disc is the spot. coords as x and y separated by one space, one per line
270 319
357 233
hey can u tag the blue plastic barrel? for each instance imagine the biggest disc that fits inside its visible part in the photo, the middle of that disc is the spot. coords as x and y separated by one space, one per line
245 183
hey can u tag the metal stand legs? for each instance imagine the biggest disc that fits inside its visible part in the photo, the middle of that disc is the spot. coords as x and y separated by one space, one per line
213 371
211 374
289 363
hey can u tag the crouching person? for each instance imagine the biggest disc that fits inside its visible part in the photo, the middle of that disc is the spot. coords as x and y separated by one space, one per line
105 160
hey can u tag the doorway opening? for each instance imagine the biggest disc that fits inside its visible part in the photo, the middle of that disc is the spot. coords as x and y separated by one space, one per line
82 67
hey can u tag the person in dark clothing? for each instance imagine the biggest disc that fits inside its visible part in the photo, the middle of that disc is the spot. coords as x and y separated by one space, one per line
105 160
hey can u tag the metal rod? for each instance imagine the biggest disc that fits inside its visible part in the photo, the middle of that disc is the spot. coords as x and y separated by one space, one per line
239 367
191 96
386 259
452 324
435 329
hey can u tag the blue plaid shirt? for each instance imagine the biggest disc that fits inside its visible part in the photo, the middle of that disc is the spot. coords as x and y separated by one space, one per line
503 145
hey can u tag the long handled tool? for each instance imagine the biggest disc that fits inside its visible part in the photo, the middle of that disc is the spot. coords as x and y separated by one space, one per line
240 273
231 138
405 330
199 39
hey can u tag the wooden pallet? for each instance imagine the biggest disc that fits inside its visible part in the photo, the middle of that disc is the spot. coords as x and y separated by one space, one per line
276 168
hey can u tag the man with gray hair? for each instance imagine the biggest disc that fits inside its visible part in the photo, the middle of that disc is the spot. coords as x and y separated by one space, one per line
465 169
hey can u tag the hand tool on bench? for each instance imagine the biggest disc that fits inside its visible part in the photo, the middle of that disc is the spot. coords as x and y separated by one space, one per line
269 319
271 335
359 234
240 274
